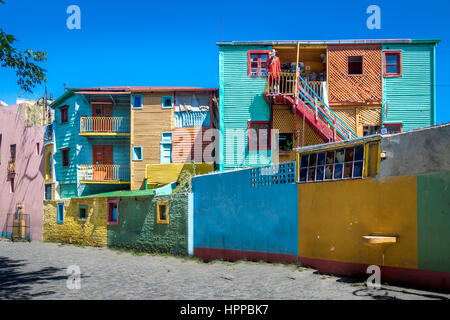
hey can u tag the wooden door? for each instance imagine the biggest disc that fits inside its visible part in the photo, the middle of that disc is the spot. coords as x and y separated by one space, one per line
102 117
102 158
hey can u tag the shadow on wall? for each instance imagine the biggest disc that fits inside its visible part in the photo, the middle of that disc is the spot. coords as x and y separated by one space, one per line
15 284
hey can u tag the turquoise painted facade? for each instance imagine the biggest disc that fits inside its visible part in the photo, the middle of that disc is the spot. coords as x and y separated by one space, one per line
411 98
241 99
67 135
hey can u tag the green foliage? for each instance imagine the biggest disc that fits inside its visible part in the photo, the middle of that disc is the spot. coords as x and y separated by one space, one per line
185 180
23 62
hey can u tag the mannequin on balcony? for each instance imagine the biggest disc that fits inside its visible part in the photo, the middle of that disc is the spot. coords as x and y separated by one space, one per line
274 72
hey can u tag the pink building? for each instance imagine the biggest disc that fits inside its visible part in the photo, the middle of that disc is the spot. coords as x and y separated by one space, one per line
21 172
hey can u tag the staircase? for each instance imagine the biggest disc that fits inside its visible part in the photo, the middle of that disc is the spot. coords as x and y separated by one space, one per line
306 103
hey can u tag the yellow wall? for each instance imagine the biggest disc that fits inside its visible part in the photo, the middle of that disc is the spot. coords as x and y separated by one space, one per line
334 216
147 124
71 231
160 174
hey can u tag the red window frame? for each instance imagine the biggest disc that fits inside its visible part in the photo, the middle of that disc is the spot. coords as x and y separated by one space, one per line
400 125
64 114
362 65
256 146
249 64
63 152
399 64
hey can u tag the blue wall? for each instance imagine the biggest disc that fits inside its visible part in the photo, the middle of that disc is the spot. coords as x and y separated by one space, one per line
231 214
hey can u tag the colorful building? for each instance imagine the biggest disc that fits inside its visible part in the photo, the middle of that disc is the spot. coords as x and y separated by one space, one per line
326 91
142 220
21 174
105 137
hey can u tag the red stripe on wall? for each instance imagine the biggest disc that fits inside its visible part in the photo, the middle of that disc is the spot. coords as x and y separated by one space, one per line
208 254
414 277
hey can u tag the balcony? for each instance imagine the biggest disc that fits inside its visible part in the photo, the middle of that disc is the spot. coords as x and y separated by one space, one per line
104 173
104 126
286 86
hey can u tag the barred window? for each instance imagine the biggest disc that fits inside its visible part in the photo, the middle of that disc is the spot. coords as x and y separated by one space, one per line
346 163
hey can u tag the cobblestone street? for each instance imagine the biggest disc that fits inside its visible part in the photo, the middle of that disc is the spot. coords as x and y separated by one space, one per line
38 270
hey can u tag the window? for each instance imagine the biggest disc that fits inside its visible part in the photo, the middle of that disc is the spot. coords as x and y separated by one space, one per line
113 211
258 61
167 102
369 130
38 149
65 157
162 212
332 165
166 148
355 65
11 185
60 213
64 114
48 192
259 135
392 128
12 150
82 212
136 101
392 64
49 133
285 141
137 153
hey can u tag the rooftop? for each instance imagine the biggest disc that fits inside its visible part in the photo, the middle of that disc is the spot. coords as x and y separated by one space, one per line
328 42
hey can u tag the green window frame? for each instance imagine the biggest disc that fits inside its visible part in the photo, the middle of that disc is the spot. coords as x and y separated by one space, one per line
82 212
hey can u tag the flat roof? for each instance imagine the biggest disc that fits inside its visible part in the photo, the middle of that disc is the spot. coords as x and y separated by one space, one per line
122 193
328 42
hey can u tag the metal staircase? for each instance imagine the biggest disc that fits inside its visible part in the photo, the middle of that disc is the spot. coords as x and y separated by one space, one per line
305 102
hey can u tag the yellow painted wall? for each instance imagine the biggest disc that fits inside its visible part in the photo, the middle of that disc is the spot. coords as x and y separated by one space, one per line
71 231
333 217
167 173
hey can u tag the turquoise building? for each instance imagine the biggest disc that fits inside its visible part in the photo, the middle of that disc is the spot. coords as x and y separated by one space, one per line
92 141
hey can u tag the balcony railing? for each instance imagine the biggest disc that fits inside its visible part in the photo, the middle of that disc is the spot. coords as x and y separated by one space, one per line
286 85
104 125
113 173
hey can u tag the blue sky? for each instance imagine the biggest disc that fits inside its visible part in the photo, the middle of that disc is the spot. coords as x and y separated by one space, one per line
172 43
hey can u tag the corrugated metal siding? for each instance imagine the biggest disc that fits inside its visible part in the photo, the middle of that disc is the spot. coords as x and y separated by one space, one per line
411 96
242 101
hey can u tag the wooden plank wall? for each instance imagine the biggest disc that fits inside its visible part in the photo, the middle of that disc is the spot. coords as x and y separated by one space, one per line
344 89
147 124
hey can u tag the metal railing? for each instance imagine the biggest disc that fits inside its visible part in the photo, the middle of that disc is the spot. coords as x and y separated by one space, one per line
18 226
285 84
104 172
104 125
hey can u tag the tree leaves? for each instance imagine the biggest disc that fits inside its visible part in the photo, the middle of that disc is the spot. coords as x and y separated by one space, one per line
24 63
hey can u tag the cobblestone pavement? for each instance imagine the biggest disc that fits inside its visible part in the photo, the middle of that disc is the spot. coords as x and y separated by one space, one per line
38 270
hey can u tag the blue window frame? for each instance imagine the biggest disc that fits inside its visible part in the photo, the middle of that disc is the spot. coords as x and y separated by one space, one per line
138 153
167 102
60 213
166 148
136 101
166 137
